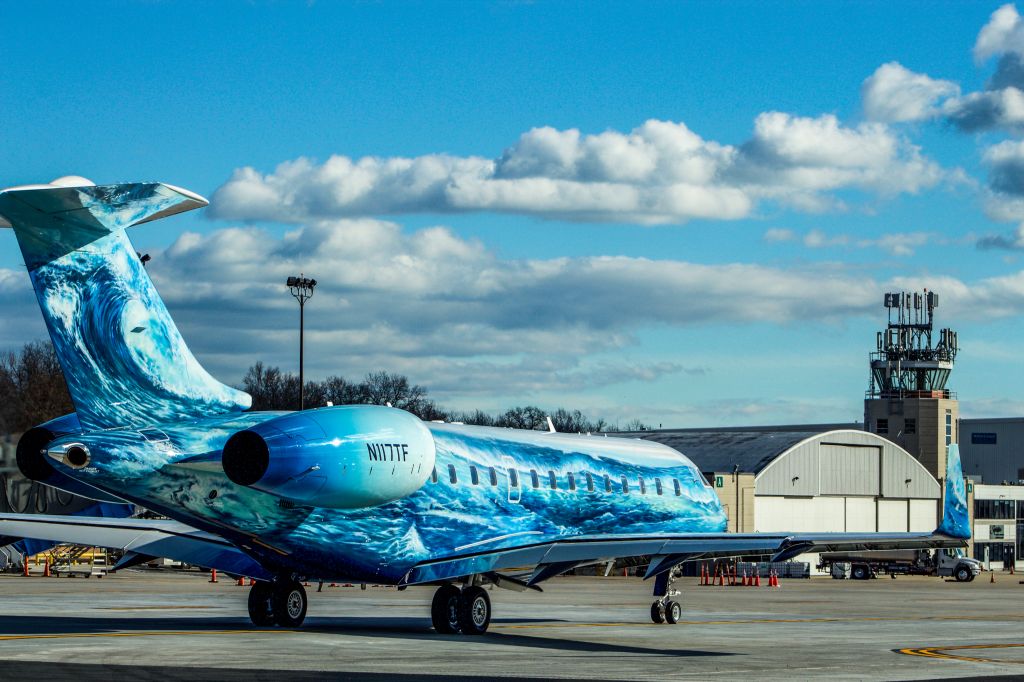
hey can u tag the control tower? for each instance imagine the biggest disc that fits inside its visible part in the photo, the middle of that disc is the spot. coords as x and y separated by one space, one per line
908 401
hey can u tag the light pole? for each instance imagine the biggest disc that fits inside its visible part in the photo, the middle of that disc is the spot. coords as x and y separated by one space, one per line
302 289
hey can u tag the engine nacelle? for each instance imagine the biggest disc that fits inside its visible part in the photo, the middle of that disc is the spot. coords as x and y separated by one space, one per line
344 457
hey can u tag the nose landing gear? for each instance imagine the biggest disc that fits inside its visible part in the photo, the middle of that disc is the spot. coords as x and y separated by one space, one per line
282 602
665 609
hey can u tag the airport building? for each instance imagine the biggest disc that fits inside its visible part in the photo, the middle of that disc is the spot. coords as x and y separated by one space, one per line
811 478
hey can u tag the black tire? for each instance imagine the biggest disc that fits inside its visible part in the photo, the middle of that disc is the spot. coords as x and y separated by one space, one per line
657 615
290 604
444 609
963 574
673 612
261 607
474 611
860 572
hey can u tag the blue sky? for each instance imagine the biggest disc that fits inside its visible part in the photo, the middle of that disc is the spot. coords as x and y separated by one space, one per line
683 213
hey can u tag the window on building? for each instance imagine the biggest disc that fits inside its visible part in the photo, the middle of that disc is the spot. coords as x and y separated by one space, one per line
474 475
994 509
552 481
534 478
572 481
882 426
590 482
433 475
949 427
910 427
493 475
452 476
657 486
678 488
1020 509
997 551
625 485
643 487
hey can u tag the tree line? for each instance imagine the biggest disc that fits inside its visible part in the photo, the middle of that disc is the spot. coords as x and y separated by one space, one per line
32 391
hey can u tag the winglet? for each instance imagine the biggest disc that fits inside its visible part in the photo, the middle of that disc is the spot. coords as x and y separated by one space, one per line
955 520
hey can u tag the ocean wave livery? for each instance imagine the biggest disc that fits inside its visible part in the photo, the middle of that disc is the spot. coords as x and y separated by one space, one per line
123 358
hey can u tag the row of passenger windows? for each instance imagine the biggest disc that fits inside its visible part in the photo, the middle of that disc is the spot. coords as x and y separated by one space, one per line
550 480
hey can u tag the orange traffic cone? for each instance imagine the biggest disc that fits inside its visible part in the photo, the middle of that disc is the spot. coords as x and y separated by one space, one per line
213 575
241 582
252 581
720 575
24 572
757 579
991 579
46 568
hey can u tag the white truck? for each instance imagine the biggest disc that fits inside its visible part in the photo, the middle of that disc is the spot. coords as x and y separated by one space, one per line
865 565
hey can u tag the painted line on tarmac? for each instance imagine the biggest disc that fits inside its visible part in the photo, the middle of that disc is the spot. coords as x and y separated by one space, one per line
150 608
147 633
942 652
866 619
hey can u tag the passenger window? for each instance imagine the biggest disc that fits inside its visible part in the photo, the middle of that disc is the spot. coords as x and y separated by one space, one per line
513 478
643 488
590 482
534 478
474 475
657 486
433 475
625 485
494 475
675 482
572 481
451 474
552 480
607 483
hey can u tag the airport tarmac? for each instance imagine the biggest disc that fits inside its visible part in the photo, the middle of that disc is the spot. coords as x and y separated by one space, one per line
168 626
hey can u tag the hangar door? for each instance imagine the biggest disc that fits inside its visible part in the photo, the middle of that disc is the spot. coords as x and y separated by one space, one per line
850 469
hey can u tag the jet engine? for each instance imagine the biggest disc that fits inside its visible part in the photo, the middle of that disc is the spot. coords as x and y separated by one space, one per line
344 457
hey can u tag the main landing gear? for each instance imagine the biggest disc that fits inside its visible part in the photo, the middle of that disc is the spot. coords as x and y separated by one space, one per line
466 610
665 609
282 602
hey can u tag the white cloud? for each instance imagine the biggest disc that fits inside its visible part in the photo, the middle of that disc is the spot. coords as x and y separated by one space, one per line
1003 33
816 239
450 313
778 234
660 172
893 93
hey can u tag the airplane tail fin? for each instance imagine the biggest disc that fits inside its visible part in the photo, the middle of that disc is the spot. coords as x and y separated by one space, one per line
124 360
955 520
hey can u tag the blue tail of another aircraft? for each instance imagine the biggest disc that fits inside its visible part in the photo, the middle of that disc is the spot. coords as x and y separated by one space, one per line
955 520
124 360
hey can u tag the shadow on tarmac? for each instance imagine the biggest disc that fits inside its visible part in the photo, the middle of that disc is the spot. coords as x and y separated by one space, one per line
389 628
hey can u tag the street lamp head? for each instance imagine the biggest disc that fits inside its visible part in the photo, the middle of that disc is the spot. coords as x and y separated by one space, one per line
293 281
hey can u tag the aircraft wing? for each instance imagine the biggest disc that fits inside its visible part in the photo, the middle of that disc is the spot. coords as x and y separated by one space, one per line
546 560
140 539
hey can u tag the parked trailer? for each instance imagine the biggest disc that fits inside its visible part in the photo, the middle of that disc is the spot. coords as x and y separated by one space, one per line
865 565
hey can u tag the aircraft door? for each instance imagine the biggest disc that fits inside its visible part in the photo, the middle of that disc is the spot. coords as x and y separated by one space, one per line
512 479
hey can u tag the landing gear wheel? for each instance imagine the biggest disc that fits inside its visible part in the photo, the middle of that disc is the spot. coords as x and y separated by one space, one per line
474 611
963 574
860 572
444 609
673 612
290 604
657 615
261 608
